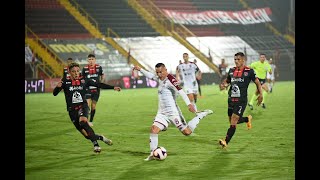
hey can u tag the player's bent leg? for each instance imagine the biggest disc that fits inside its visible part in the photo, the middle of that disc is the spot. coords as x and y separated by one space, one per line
192 124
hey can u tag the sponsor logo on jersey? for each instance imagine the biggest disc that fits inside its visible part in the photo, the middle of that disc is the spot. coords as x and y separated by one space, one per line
237 79
74 88
92 75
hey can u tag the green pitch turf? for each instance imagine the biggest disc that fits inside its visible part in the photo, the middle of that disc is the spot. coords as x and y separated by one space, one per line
56 150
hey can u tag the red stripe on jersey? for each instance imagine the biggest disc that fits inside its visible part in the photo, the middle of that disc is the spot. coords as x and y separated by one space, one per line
75 82
173 80
238 72
92 70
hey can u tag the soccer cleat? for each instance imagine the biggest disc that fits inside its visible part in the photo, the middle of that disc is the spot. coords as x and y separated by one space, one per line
250 106
149 158
206 111
223 143
107 141
90 124
97 149
249 125
263 106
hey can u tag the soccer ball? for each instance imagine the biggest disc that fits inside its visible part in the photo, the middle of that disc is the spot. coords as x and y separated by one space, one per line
160 153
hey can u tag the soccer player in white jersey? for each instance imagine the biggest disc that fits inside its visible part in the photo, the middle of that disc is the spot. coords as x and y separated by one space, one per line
188 71
271 77
168 109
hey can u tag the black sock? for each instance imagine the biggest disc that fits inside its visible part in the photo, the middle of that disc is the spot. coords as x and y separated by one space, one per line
93 111
95 143
230 133
242 120
92 136
99 137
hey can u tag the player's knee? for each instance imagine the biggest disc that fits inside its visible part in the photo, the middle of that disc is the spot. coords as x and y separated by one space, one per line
154 129
187 131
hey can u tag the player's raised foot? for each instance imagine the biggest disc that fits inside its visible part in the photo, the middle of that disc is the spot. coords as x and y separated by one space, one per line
90 124
263 106
149 158
249 125
250 106
97 149
223 143
106 140
206 111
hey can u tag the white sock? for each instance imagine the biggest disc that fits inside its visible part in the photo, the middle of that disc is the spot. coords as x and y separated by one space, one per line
153 141
195 121
195 106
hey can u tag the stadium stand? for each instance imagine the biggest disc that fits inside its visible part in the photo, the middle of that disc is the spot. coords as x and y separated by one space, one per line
152 50
48 19
179 5
117 15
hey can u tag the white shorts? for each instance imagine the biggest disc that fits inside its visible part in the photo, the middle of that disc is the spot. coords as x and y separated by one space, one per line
190 88
270 76
162 121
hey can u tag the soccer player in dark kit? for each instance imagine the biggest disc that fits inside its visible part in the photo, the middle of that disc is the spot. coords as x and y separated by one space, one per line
239 78
93 71
74 87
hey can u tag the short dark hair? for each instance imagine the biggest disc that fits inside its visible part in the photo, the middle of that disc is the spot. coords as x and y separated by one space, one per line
70 59
73 64
160 65
91 55
239 54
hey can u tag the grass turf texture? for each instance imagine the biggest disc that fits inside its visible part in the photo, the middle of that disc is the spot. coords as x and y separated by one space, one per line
56 150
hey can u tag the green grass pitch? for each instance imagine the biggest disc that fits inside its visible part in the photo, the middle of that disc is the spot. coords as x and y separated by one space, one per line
54 149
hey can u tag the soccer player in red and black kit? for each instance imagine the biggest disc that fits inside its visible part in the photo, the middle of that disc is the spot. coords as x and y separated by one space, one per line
74 87
92 71
239 78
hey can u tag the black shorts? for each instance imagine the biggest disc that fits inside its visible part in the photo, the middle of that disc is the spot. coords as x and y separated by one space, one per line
93 94
237 108
262 81
76 114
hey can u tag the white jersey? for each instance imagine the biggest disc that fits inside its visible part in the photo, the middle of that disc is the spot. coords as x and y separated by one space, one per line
168 109
188 72
271 76
168 90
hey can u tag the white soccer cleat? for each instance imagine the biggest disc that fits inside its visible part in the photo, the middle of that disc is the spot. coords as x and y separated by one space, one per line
97 149
106 140
205 112
149 158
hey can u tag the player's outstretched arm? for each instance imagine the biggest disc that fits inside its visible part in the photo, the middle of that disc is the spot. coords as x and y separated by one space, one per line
146 73
58 88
